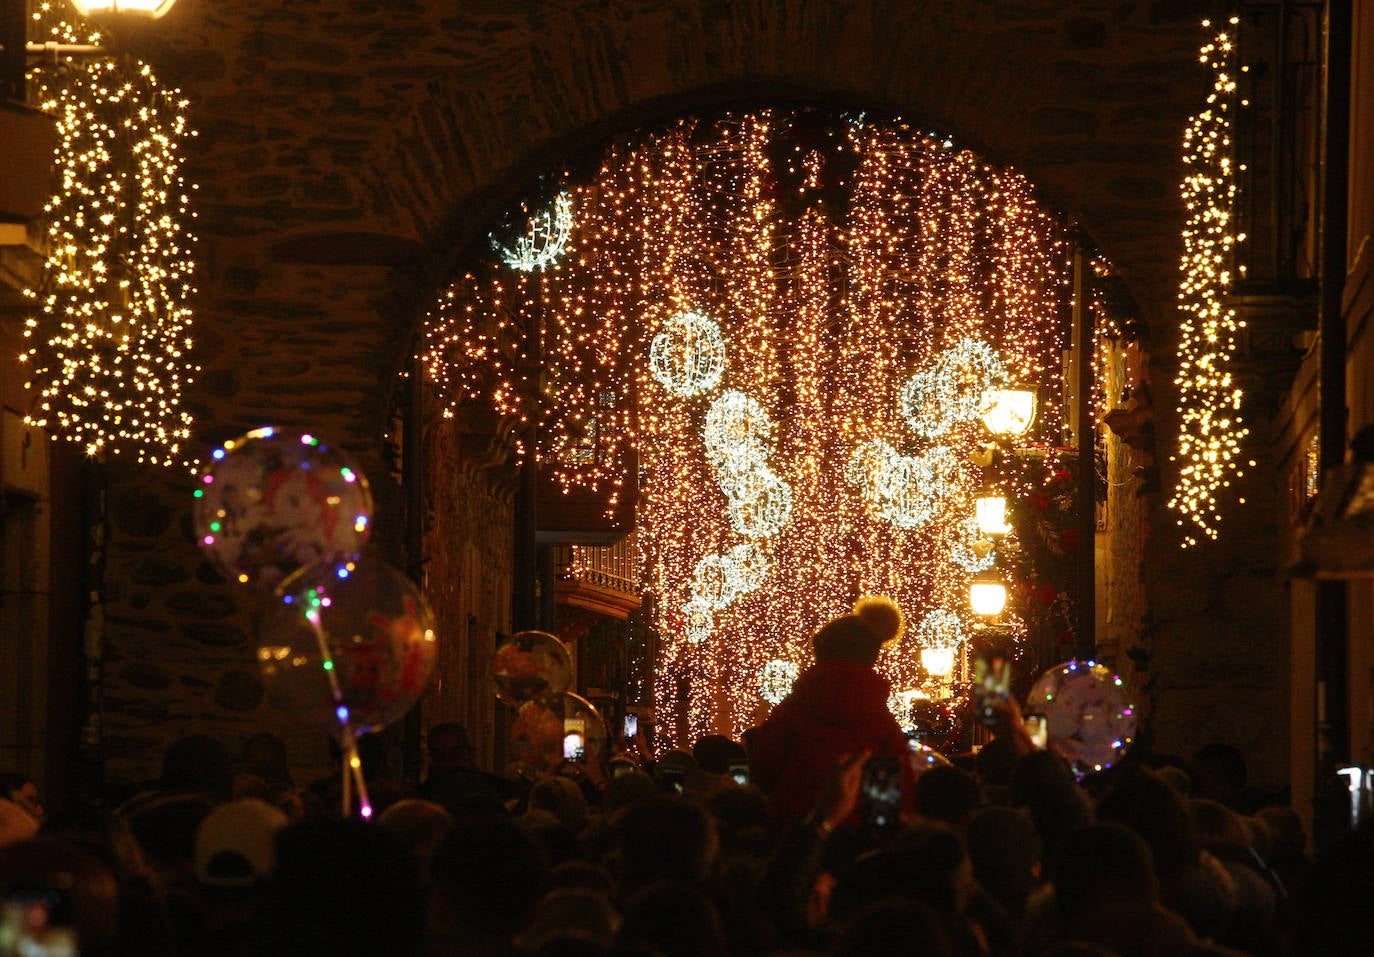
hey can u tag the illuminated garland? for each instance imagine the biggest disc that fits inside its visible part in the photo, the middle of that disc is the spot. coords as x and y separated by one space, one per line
1211 433
776 680
109 349
801 448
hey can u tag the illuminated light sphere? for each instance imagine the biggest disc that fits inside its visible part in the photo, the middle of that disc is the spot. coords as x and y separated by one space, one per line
736 433
990 512
776 679
910 490
748 566
545 238
900 704
1009 412
759 502
868 463
697 621
687 357
955 390
987 595
973 552
151 9
718 580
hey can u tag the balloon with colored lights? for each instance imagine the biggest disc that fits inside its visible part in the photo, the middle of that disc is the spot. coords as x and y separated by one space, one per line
274 501
922 757
347 645
529 665
1088 718
554 729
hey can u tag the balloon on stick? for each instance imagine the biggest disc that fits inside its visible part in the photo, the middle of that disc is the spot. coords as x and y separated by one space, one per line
348 645
274 501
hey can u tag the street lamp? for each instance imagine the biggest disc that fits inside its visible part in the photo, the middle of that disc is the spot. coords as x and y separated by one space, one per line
990 513
938 660
987 594
1010 411
152 9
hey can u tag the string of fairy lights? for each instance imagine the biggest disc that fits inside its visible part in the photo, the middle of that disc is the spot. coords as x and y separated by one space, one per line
1211 431
108 351
746 302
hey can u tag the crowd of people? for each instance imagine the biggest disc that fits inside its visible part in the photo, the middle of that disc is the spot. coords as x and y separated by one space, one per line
998 853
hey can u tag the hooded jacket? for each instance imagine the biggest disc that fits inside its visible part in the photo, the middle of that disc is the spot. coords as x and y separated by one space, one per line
837 707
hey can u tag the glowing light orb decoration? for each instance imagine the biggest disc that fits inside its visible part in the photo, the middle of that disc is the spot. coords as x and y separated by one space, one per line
802 449
736 433
687 357
904 490
545 238
759 502
958 388
776 680
972 551
697 621
718 580
1211 430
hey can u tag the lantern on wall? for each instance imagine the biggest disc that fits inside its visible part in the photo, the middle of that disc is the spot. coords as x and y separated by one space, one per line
987 594
1009 412
990 511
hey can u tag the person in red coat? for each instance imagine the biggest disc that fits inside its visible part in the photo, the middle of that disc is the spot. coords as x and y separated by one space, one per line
837 707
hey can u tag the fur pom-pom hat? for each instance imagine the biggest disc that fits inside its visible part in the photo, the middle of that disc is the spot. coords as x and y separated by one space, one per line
881 616
859 636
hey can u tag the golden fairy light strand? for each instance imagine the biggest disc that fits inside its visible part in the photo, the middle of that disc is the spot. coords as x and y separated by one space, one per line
109 343
1211 432
836 257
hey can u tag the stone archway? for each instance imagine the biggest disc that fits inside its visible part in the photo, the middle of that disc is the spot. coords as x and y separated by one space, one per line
348 152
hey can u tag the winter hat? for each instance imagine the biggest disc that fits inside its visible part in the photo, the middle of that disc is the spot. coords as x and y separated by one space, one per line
235 843
876 620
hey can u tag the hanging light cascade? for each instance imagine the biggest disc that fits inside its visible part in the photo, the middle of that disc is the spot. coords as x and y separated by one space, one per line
759 339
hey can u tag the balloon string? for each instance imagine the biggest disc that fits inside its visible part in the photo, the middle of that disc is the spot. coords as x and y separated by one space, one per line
353 765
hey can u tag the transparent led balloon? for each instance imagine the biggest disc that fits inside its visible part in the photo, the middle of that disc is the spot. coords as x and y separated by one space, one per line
548 731
736 433
545 238
347 645
1089 720
274 501
697 621
529 665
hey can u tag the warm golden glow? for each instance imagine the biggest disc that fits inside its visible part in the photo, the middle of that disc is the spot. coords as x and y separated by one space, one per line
855 288
1211 431
987 595
110 338
939 661
115 8
1009 411
990 511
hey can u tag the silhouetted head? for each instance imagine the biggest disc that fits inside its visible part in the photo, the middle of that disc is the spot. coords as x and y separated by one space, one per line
664 838
489 872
